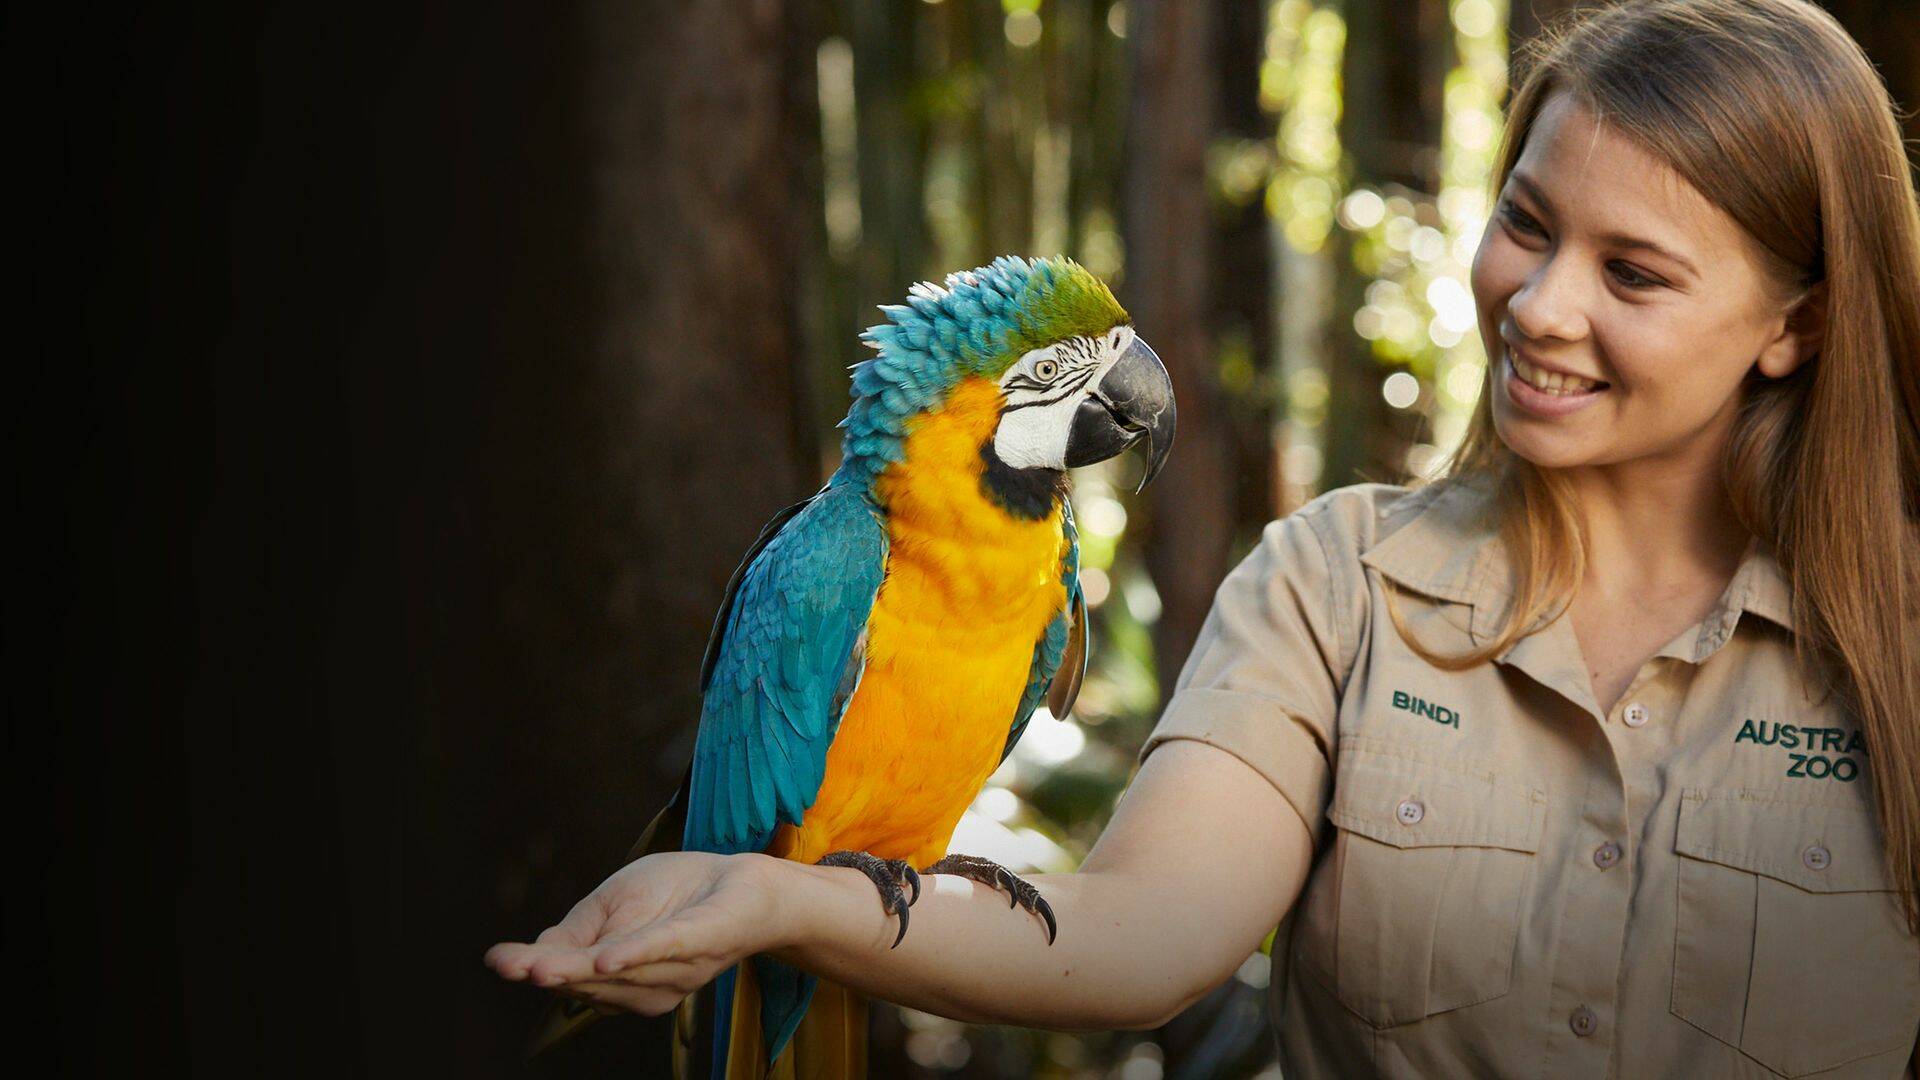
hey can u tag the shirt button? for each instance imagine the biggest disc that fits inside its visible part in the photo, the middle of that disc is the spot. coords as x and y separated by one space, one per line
1410 812
1583 1021
1637 715
1606 855
1816 857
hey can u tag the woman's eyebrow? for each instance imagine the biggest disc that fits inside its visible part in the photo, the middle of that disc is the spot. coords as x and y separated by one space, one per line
1617 239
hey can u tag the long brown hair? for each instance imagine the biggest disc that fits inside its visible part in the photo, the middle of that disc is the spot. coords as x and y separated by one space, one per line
1770 110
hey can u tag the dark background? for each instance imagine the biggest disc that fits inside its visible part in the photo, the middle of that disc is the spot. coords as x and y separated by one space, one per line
394 392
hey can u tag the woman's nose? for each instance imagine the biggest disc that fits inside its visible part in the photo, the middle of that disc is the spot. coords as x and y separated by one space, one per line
1550 304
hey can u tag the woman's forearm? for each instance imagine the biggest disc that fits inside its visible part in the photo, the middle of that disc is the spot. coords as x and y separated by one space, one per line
1119 960
1202 858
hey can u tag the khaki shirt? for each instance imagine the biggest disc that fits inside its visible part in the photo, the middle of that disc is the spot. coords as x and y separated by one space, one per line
1508 881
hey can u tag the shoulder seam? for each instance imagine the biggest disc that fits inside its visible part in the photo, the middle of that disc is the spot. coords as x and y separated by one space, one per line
1346 638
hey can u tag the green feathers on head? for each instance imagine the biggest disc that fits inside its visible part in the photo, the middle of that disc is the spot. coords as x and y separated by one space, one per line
977 323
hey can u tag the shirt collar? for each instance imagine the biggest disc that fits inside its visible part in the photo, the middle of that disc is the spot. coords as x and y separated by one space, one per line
1448 547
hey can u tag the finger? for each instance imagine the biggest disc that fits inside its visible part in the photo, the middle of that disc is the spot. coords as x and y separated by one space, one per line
555 964
683 938
681 976
509 960
582 925
663 942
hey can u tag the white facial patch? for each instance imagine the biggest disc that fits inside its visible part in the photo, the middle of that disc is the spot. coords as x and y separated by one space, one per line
1044 389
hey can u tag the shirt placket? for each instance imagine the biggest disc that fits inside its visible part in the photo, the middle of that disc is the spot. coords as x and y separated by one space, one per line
1594 875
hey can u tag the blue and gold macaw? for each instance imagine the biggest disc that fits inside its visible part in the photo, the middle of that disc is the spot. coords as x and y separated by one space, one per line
884 643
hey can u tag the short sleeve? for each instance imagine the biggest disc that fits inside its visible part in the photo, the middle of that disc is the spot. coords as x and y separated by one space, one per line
1263 680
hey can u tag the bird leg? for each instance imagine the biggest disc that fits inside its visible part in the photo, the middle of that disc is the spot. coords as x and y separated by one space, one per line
988 872
887 875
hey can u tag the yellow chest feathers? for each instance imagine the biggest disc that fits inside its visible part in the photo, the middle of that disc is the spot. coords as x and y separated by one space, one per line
959 566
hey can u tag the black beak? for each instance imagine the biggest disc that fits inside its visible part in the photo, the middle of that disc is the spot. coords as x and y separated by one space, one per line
1133 400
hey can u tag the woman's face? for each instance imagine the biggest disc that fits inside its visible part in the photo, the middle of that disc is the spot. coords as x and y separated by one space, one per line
1603 265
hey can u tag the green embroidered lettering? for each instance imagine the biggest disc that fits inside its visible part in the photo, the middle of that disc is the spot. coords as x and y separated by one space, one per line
1433 711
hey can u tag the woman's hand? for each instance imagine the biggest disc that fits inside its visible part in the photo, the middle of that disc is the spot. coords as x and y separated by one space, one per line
657 930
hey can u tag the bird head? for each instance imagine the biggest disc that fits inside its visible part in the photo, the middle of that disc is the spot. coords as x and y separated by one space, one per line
1077 385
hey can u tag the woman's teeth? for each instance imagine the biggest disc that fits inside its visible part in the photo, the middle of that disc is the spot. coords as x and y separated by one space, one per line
1551 382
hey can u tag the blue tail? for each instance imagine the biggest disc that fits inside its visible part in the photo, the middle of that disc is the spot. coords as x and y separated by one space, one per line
780 995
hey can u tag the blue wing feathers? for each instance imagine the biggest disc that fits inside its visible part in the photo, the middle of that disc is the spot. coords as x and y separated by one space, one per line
1052 646
770 711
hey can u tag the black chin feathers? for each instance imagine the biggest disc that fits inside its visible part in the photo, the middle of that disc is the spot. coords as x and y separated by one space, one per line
1028 494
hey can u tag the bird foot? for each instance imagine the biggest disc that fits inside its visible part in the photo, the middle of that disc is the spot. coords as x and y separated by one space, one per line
887 875
988 872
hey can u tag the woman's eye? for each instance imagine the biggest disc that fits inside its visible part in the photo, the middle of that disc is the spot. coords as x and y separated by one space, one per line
1518 219
1630 277
1045 370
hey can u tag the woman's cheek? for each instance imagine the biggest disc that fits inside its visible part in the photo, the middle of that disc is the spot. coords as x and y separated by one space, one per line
1493 278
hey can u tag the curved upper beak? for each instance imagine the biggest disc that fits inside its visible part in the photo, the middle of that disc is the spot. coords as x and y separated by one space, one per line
1132 401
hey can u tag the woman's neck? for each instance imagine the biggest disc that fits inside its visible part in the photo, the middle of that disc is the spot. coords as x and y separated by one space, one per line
1655 527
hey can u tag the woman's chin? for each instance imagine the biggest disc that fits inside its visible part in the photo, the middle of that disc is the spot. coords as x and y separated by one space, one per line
1543 449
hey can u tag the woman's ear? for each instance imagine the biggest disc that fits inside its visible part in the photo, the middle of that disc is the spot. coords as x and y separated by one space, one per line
1801 334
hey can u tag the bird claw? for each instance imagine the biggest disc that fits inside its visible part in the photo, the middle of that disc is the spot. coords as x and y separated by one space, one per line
1019 892
887 876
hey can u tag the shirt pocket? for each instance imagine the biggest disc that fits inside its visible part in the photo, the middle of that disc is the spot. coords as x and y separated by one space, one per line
1417 907
1788 942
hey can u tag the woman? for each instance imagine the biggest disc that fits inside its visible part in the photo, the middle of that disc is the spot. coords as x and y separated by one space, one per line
1597 757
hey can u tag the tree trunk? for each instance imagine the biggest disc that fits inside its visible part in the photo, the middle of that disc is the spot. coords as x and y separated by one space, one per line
1168 229
893 140
1243 276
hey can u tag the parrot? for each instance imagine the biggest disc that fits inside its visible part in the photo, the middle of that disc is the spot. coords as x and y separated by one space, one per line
884 643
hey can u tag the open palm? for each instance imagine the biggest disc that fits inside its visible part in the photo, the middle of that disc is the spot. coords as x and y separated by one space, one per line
657 930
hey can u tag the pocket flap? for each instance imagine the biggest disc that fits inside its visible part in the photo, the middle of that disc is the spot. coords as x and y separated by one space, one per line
1819 847
1408 803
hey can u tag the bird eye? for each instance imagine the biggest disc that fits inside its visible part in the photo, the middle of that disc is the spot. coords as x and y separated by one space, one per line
1045 370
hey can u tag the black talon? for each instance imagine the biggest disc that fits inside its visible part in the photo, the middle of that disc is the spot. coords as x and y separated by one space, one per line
987 872
900 909
887 876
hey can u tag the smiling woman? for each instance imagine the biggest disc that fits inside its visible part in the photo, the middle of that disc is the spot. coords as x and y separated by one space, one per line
1703 259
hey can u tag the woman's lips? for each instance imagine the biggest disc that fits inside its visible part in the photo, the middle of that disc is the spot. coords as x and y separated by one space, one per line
1540 402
